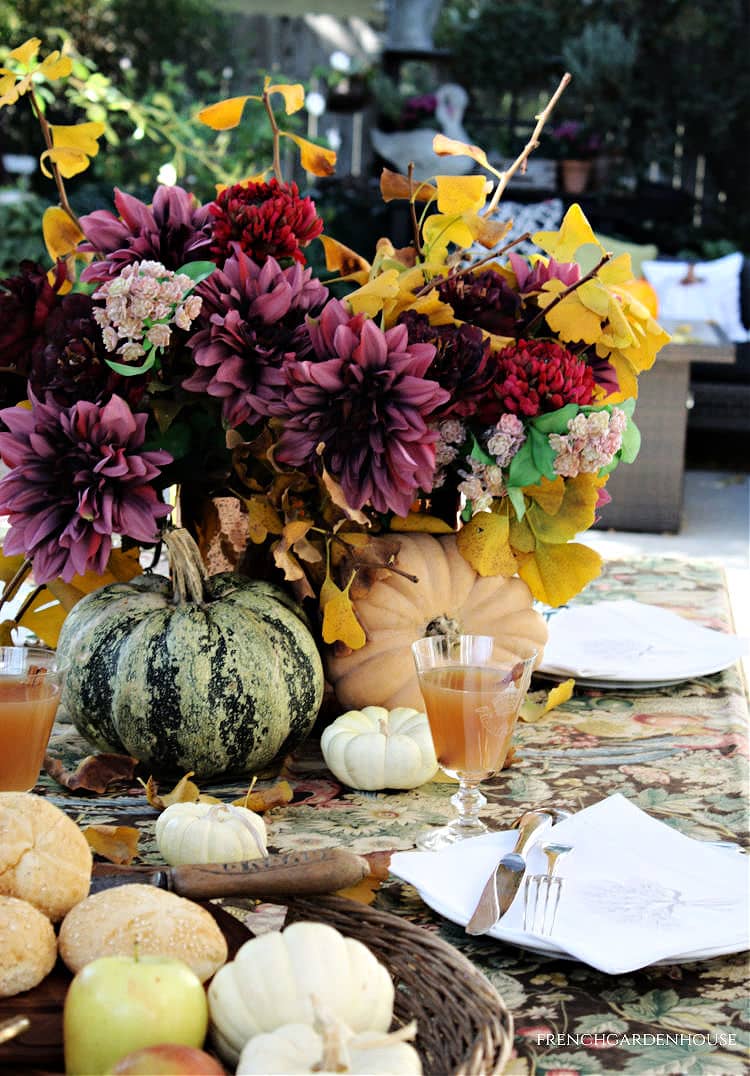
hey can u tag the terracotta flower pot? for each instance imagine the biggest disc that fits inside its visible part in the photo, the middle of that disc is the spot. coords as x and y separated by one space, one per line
574 176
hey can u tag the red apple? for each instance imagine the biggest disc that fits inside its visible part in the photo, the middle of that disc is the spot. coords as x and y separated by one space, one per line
117 1004
168 1059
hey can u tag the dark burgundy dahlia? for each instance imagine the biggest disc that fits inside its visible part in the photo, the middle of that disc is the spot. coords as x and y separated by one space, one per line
535 376
485 299
460 365
173 230
26 302
78 475
267 220
249 325
366 397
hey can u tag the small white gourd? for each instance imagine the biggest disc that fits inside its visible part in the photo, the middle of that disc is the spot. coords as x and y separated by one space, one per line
329 1048
281 977
374 748
209 833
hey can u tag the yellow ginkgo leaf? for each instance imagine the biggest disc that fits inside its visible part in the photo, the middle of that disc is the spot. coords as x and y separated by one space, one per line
340 622
69 161
80 136
25 53
575 513
574 232
420 523
369 299
548 494
571 320
452 147
460 194
532 711
484 543
393 185
55 66
344 261
262 519
316 159
223 115
293 94
61 233
556 573
439 230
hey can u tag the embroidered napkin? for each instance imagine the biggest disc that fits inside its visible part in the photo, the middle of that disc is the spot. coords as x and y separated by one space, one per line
635 891
627 640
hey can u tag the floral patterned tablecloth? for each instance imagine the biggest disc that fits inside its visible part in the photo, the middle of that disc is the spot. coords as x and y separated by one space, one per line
678 752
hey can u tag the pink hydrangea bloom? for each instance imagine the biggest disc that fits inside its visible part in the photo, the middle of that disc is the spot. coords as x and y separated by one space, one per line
590 444
505 439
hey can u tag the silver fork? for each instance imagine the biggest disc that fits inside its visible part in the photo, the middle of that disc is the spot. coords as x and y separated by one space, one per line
541 894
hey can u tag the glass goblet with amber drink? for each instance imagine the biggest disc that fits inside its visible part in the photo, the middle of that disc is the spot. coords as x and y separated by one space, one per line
30 686
472 701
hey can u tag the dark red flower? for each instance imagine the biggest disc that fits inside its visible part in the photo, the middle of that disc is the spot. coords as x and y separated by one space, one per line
78 475
460 365
26 302
535 376
366 397
173 230
267 220
485 299
248 326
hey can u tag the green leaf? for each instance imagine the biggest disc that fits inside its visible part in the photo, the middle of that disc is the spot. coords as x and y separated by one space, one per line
176 441
523 471
628 406
517 499
133 371
631 442
197 271
555 421
478 453
542 453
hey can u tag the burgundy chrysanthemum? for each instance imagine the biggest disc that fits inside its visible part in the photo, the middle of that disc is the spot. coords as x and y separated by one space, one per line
78 475
26 303
460 365
535 376
173 230
366 396
249 325
267 220
484 299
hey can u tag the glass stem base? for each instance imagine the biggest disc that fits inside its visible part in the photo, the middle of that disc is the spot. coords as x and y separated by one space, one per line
468 802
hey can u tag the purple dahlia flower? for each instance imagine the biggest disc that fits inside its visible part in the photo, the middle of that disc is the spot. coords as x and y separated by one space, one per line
532 278
78 475
485 299
365 396
251 322
173 230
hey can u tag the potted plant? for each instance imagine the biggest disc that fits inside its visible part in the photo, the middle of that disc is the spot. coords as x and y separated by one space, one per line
575 145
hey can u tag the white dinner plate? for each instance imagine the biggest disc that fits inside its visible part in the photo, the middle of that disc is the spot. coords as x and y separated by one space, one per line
611 685
548 948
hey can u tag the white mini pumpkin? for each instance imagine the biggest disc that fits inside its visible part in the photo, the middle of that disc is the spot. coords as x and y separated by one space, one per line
209 833
281 977
328 1050
375 748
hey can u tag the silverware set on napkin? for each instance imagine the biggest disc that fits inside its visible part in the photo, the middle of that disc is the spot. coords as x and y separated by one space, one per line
542 892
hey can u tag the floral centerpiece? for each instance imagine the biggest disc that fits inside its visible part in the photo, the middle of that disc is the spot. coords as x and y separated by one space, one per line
187 344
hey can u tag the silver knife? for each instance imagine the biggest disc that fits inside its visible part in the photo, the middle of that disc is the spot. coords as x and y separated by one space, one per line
502 885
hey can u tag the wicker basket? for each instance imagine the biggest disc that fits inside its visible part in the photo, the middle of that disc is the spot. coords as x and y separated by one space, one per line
464 1028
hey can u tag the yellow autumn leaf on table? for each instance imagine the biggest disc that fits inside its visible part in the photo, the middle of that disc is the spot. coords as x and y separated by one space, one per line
344 261
575 231
484 543
533 711
293 94
316 159
223 115
262 518
460 194
340 622
555 573
371 297
185 791
118 844
452 147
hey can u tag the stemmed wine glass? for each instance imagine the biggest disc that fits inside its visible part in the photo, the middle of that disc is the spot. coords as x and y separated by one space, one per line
472 701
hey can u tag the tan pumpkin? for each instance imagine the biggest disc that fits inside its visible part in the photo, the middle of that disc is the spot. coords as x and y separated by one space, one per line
449 597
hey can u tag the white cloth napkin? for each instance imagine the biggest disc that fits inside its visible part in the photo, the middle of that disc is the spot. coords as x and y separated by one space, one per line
635 891
627 640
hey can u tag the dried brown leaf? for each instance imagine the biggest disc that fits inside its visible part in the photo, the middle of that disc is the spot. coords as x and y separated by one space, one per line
264 799
185 791
118 844
95 773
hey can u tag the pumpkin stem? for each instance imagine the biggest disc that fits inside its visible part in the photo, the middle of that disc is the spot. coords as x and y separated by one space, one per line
186 568
446 626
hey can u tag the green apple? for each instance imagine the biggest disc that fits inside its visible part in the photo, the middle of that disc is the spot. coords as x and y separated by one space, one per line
117 1004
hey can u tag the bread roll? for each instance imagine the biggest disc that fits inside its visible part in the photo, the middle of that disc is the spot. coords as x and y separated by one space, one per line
44 857
28 946
142 919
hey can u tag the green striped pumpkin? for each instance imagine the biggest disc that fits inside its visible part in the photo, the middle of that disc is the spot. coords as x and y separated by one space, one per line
215 675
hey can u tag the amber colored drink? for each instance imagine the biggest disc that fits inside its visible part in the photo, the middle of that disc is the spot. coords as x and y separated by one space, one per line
27 712
472 711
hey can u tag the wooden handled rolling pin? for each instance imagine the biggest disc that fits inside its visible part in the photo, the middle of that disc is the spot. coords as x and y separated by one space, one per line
279 874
